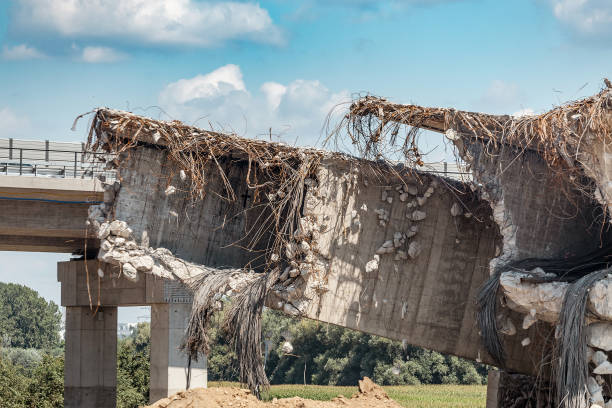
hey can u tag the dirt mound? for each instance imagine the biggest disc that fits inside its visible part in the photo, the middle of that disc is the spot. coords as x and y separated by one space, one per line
370 395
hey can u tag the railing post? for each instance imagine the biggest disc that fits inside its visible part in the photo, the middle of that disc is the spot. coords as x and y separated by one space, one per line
445 168
75 164
20 162
46 150
11 148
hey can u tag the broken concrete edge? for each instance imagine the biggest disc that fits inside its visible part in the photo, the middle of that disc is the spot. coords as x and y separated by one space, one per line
544 301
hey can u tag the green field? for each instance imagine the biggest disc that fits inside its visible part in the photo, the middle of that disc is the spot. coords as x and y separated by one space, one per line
412 396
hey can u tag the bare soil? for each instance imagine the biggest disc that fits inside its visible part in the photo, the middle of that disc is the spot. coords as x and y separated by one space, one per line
370 395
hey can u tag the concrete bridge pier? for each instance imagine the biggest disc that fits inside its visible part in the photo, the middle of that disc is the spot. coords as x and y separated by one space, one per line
168 363
90 374
90 365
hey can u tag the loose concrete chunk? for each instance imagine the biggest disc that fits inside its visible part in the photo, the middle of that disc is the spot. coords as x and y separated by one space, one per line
372 265
100 273
529 320
451 134
545 298
599 357
604 368
386 248
403 197
421 201
418 215
170 190
597 399
143 263
183 175
104 230
117 227
592 385
414 249
600 299
294 273
130 272
105 246
599 335
525 342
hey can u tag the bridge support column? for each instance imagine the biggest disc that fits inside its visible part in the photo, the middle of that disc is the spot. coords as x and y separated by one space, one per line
168 363
90 372
492 388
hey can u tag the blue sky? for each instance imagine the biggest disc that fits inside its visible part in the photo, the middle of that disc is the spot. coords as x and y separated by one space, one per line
280 64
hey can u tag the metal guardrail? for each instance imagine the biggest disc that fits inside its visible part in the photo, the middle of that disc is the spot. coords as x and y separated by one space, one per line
71 160
26 158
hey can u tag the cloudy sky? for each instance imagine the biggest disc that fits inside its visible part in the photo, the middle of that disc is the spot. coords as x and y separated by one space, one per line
281 65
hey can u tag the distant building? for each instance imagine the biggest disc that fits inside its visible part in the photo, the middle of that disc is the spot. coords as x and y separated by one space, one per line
125 329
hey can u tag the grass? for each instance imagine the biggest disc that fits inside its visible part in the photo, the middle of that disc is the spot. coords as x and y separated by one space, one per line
410 396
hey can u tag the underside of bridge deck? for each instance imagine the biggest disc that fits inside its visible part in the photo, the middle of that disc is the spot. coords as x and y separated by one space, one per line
39 214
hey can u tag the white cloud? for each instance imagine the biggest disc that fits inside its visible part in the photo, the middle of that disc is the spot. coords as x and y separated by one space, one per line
274 93
101 54
591 18
149 22
21 52
13 124
219 82
295 110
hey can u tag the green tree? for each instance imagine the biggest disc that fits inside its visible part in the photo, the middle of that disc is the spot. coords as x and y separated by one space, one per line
13 385
26 319
133 358
46 389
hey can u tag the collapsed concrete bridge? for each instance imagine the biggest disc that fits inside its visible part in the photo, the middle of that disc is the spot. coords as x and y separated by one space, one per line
378 247
381 248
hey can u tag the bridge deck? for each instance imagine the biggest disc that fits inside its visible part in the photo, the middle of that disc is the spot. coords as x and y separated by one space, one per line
46 214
